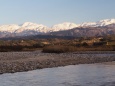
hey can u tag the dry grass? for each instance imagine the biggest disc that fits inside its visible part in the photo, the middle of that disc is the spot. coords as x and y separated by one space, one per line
59 49
64 49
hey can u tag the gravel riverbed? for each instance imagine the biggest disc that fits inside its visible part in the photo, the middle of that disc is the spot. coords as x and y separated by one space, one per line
11 62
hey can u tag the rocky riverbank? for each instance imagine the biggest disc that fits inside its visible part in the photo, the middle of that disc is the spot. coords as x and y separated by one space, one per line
11 62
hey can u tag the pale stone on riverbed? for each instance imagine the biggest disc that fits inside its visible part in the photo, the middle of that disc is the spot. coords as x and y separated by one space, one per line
11 62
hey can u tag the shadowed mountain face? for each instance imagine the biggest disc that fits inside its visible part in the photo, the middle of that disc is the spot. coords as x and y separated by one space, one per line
87 31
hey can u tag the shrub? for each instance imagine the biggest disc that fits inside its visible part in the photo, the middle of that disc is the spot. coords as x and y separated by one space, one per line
84 44
98 43
38 45
58 49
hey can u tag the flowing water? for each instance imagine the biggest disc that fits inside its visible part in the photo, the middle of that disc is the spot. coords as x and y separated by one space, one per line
77 75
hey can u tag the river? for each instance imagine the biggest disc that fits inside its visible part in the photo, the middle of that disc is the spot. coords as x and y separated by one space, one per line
73 75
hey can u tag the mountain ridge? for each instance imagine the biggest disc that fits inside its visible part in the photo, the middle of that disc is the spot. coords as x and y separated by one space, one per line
29 28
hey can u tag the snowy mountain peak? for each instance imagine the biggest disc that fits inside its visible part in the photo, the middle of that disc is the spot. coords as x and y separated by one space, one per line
106 22
30 24
99 23
26 24
9 28
29 28
64 26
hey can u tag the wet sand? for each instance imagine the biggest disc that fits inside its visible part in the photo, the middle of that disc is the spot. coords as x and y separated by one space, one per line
11 62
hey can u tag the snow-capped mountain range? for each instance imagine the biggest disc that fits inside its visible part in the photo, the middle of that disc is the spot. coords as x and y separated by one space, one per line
99 23
29 28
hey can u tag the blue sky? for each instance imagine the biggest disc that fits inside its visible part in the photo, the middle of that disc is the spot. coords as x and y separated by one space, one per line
50 12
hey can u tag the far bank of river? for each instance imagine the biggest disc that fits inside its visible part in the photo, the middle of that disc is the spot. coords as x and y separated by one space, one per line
11 62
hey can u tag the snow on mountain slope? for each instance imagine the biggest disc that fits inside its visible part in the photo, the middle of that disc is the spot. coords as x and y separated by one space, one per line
89 24
106 22
64 26
9 28
99 23
29 28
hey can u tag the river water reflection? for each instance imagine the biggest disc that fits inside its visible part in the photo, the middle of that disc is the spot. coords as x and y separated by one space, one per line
77 75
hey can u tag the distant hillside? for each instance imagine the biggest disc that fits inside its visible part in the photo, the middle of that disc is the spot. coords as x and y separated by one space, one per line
87 31
37 37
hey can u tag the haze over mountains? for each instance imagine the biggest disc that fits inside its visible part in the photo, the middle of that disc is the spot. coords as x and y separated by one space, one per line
100 28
